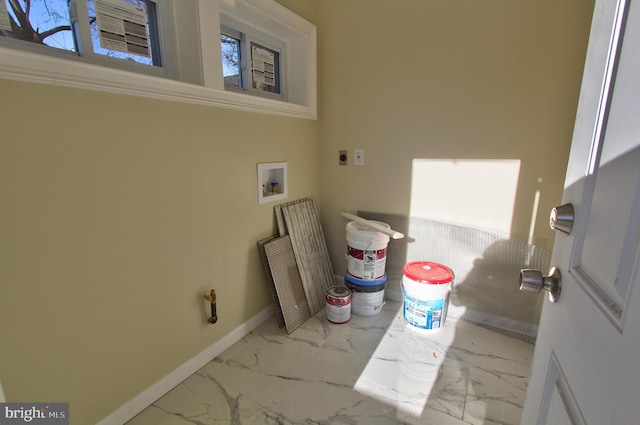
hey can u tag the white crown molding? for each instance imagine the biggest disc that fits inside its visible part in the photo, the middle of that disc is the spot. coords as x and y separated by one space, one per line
31 67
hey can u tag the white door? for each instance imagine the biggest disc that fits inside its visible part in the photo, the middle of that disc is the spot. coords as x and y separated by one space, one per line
586 367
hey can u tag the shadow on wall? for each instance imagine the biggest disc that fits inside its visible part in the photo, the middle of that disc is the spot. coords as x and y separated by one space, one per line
486 267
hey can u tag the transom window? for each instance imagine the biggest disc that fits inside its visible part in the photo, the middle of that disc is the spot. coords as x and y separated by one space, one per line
126 30
122 45
250 64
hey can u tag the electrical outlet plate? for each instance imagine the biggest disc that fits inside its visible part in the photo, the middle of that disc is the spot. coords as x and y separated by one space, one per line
358 157
342 157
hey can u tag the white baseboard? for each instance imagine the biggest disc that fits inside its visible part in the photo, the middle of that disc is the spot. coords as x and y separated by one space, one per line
143 400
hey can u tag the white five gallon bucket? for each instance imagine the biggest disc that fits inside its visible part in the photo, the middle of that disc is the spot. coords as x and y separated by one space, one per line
366 251
368 295
426 290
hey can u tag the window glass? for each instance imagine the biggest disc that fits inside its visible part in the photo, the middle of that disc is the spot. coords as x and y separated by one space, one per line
38 21
250 61
265 68
231 69
125 29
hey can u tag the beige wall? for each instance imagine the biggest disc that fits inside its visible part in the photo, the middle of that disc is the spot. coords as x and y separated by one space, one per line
118 213
446 79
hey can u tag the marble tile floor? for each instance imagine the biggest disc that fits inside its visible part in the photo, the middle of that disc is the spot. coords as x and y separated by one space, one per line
371 370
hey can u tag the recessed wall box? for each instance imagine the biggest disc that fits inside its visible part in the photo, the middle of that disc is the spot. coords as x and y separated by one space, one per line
272 181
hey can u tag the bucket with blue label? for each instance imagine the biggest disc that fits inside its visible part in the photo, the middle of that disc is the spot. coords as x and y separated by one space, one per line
426 287
368 295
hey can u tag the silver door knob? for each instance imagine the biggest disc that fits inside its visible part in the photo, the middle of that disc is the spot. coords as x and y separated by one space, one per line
561 218
533 281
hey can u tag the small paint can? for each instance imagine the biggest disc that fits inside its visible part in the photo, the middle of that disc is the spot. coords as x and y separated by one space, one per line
339 304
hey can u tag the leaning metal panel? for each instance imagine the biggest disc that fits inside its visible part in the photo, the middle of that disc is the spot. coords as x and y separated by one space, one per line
286 278
272 285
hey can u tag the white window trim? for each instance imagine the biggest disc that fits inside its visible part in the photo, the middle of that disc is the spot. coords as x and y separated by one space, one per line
27 66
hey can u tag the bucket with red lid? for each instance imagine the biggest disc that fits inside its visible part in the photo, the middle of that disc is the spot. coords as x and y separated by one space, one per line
426 287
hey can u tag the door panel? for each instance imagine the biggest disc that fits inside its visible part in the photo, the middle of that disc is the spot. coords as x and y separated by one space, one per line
604 263
611 194
559 405
557 413
586 367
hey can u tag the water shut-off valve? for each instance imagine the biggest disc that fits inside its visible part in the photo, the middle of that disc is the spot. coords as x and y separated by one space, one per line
211 297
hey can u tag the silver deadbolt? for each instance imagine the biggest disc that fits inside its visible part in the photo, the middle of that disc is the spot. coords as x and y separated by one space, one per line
561 218
532 281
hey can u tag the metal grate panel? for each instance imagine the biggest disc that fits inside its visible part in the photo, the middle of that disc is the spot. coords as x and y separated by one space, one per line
272 285
288 285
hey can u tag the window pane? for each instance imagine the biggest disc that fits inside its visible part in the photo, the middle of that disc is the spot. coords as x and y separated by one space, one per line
125 29
38 21
265 67
230 60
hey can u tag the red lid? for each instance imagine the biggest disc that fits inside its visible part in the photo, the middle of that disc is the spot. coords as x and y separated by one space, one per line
427 272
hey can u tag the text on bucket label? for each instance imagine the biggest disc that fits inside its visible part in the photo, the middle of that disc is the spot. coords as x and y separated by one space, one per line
367 264
425 314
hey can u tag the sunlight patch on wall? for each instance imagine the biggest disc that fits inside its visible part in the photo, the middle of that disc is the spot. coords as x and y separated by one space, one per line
468 192
461 216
